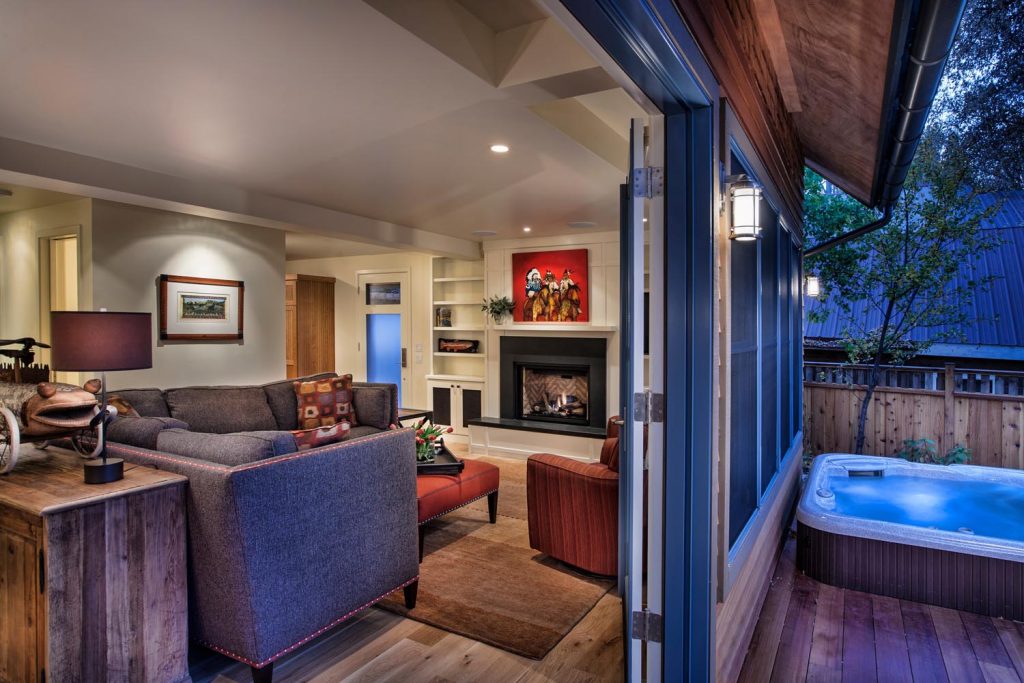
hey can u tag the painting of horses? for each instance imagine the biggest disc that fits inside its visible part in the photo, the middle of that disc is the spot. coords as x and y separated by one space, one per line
550 286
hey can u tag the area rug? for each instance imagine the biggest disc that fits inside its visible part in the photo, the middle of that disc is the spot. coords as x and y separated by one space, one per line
484 581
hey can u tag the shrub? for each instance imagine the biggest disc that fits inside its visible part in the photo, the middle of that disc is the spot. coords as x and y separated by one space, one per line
925 450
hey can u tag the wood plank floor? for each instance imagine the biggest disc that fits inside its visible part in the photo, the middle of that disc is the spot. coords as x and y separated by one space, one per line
381 646
377 645
809 631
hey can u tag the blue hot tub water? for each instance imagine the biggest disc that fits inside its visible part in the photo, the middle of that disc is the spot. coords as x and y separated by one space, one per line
981 508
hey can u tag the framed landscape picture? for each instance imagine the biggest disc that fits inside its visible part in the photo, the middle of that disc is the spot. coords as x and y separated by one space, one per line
198 308
551 286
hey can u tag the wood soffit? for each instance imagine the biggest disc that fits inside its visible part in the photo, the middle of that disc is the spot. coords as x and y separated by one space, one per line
806 79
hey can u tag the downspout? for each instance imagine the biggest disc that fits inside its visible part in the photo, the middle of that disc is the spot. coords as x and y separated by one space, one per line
925 59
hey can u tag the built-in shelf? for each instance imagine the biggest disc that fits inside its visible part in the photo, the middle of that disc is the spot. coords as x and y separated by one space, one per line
456 378
457 302
460 355
460 328
459 279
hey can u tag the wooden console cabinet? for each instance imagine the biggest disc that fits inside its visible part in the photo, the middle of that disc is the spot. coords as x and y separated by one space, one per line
92 578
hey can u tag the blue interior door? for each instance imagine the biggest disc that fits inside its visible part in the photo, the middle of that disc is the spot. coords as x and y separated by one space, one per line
384 349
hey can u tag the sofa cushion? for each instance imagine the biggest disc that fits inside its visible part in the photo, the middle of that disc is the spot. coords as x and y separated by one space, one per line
282 401
238 448
140 432
322 403
372 406
391 389
147 402
306 439
361 431
222 410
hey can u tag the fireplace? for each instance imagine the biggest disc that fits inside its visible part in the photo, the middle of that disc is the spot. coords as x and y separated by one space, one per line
554 380
558 393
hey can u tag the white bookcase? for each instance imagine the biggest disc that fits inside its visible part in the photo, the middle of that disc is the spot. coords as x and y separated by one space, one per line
456 382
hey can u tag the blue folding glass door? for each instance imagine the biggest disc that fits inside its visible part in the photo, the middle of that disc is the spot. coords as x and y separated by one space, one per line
384 342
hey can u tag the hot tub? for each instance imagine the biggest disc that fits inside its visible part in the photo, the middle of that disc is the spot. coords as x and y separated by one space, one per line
950 536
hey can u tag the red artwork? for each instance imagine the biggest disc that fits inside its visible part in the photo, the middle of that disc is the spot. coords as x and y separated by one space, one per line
550 286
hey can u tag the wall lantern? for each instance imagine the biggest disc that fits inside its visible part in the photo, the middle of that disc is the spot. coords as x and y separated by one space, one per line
813 287
745 195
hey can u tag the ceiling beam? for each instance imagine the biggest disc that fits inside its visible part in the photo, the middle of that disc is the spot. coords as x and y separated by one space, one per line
47 168
771 30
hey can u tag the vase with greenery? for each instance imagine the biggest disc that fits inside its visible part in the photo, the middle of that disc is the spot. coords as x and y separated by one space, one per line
497 307
427 434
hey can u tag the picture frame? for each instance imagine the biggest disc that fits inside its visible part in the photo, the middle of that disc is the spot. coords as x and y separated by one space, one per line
200 309
551 286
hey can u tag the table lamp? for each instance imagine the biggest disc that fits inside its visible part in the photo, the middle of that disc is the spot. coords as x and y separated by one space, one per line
101 341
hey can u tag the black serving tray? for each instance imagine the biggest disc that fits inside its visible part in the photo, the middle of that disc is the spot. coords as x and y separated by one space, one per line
444 462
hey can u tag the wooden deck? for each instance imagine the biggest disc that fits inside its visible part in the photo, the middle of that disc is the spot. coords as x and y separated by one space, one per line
809 631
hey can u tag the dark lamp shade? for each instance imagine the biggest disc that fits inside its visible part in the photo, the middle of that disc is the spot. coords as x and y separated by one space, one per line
100 341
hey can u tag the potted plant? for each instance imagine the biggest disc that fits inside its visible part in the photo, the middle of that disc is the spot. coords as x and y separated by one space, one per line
497 307
427 434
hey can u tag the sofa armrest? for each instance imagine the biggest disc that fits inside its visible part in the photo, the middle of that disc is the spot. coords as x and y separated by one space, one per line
332 529
141 432
283 548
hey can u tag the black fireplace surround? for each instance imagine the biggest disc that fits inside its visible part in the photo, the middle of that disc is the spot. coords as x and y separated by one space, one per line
562 356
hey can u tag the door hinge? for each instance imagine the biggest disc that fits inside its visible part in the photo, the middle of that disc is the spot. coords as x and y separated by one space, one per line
647 626
42 572
648 407
648 182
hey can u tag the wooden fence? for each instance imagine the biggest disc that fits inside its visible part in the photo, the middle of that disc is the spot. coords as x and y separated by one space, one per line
989 424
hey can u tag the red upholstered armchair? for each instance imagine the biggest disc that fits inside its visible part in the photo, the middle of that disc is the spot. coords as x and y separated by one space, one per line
574 507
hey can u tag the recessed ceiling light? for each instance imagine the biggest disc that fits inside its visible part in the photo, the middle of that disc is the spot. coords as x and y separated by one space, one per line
484 233
645 220
582 224
527 228
499 149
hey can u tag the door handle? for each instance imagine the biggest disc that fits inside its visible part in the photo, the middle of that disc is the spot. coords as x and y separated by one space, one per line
405 363
618 421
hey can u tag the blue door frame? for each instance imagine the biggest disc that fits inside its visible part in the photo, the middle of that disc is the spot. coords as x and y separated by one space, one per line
652 45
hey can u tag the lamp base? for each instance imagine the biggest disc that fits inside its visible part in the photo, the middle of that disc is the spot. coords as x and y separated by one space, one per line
103 470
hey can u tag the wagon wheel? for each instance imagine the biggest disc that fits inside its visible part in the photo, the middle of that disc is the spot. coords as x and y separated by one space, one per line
9 440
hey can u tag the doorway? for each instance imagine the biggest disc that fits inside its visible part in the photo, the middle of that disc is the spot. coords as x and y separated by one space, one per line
385 328
58 284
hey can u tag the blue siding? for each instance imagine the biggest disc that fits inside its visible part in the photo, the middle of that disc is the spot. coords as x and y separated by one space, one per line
996 315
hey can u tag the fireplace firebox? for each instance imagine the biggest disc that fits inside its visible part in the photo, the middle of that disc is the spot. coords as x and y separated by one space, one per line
554 380
558 393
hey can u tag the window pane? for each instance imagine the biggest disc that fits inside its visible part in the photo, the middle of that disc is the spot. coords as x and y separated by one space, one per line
770 289
797 322
743 460
383 293
785 341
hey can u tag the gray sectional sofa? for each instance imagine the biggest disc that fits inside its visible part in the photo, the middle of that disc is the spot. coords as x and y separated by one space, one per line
283 544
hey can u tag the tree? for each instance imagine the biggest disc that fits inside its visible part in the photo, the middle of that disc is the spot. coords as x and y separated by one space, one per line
981 101
904 275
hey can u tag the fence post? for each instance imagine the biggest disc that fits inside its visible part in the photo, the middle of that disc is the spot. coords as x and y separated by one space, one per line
949 412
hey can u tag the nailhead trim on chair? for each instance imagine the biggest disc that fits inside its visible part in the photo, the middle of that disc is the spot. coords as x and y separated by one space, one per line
311 636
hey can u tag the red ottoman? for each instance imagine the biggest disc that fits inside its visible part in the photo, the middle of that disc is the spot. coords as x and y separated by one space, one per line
439 494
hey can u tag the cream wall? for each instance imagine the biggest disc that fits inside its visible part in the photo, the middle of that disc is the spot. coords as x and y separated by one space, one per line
132 246
19 262
349 358
603 258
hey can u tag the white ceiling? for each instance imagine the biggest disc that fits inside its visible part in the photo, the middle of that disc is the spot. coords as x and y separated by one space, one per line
326 102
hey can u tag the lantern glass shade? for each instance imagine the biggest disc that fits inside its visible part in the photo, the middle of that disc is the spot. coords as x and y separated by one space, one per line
746 211
813 288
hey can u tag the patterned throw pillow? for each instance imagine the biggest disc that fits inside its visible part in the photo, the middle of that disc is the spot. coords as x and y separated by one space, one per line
320 436
325 402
